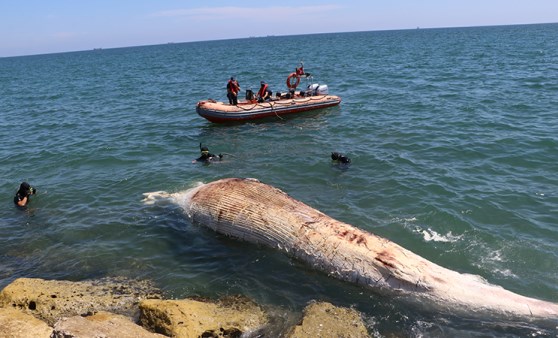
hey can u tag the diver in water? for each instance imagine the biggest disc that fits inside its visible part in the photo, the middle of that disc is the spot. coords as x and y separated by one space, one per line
206 156
340 158
21 199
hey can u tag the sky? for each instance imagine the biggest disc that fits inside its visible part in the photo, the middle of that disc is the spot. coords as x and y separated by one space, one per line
50 26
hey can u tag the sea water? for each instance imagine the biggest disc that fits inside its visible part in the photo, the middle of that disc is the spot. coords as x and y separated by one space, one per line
452 133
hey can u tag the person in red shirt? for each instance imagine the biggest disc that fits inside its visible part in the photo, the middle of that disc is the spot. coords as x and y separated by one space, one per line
300 71
232 91
264 94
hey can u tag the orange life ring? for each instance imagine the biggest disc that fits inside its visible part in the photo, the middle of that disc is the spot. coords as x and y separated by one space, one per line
289 81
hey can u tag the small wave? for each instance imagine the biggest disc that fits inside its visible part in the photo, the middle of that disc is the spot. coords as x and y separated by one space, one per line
495 256
505 272
430 235
405 220
493 261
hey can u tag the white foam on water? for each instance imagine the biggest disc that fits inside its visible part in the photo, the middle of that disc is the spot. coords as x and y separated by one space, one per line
505 272
430 235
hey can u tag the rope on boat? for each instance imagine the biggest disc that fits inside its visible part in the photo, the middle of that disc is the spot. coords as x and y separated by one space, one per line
279 103
275 111
254 106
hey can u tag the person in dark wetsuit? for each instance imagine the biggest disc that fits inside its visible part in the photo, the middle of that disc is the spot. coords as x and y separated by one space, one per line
21 199
340 158
206 156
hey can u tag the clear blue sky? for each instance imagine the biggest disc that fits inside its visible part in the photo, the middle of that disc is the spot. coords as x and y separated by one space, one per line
48 26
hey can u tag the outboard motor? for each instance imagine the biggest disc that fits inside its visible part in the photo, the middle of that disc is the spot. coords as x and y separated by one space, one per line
311 89
322 90
316 89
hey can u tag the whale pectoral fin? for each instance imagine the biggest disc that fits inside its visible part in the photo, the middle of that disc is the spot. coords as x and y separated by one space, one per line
155 196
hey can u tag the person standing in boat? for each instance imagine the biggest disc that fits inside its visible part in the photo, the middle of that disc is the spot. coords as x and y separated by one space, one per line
264 94
300 71
232 91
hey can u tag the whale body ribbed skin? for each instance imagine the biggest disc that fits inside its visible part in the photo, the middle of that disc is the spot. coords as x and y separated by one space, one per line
252 211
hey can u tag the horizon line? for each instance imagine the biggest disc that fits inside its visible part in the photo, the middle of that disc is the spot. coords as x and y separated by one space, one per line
273 36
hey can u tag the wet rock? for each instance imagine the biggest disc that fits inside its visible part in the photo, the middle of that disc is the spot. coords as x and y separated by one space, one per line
229 317
101 324
16 324
51 300
323 319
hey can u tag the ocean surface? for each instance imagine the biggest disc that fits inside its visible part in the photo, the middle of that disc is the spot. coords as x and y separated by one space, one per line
452 133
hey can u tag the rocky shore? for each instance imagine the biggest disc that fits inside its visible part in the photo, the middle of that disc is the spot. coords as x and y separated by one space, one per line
124 308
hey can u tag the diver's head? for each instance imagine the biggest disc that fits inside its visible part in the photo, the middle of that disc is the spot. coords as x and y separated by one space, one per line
24 186
335 156
204 150
26 189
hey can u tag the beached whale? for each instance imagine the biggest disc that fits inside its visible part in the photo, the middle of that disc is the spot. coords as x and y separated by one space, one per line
255 212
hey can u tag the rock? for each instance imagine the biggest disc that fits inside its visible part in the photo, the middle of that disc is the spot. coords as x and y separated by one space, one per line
16 324
229 317
51 300
101 324
323 319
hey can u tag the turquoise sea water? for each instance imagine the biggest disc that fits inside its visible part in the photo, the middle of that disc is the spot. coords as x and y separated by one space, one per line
453 136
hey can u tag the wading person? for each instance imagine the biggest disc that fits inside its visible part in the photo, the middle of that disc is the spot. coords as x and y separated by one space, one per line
21 199
206 156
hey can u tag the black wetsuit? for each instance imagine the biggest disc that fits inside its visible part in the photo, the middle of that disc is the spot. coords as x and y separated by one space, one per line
340 158
206 157
24 191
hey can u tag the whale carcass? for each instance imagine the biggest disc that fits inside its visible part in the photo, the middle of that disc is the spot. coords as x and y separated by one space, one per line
256 212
